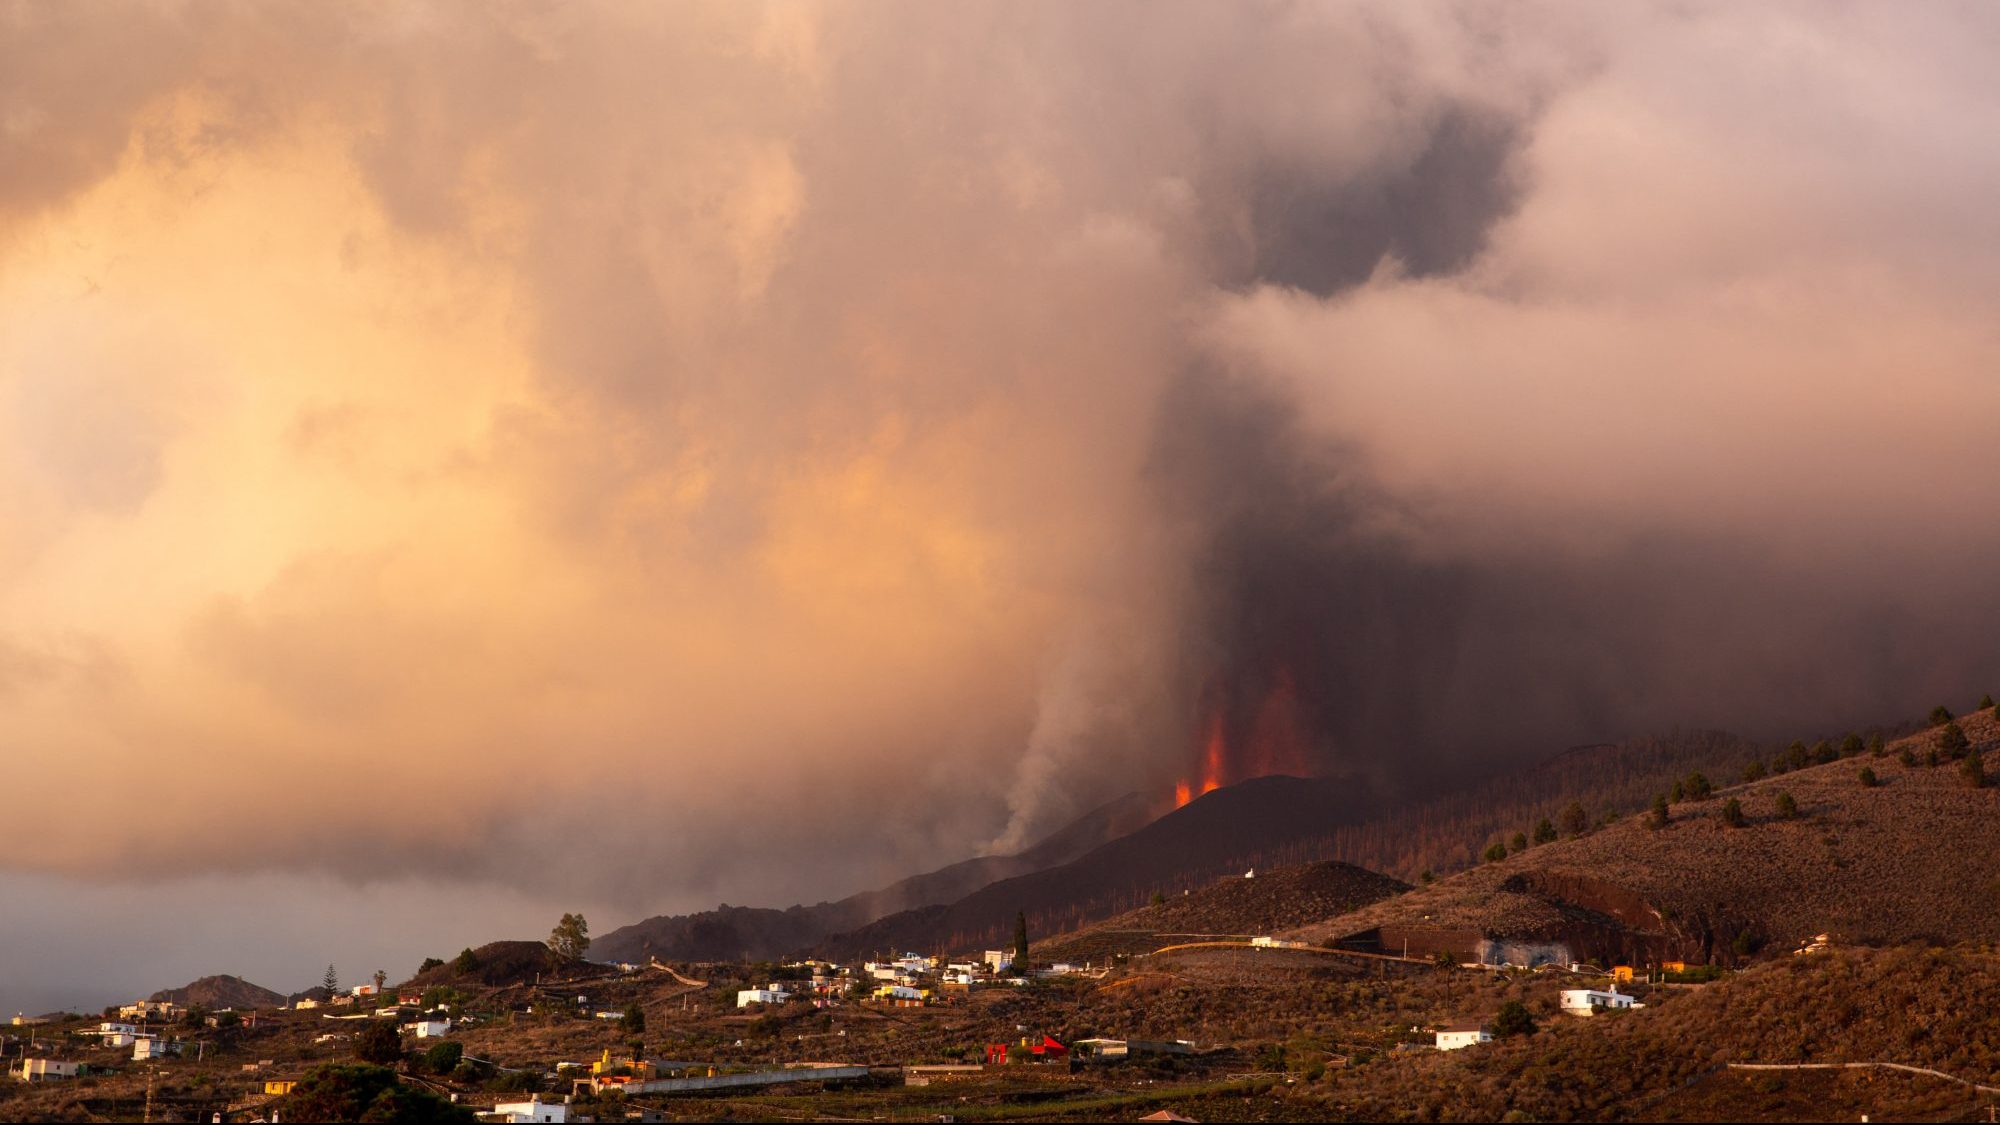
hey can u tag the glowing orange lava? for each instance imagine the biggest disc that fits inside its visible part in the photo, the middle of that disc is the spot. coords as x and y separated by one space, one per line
1276 742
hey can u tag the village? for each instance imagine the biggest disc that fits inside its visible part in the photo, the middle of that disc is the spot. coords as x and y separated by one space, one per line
540 1039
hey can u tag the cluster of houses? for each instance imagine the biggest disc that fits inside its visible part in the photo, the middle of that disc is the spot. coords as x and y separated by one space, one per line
909 981
1574 1002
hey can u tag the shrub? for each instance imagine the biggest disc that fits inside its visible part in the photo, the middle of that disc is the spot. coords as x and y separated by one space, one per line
634 1019
1986 701
444 1057
1868 780
429 964
1495 852
1851 746
1788 808
1973 771
1697 787
1823 752
1679 793
1657 819
1906 757
1744 945
1753 772
1940 715
1951 741
1545 831
1575 821
1876 747
1513 1019
1426 878
1732 813
465 962
380 1042
1797 756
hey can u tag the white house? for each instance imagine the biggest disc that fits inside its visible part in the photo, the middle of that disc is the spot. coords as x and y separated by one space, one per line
305 1002
117 1034
555 1113
1461 1035
1277 943
430 1029
363 990
999 959
43 1070
1589 1001
153 1047
748 996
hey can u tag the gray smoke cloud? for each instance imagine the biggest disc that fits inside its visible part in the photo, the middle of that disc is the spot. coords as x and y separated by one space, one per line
641 438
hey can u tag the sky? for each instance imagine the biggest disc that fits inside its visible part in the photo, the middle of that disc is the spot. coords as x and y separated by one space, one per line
461 463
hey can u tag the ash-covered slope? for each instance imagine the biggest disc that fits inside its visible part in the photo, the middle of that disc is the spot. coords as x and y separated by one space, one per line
1257 822
740 932
1909 858
1231 907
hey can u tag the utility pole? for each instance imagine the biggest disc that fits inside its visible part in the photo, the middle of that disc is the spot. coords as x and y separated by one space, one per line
151 1071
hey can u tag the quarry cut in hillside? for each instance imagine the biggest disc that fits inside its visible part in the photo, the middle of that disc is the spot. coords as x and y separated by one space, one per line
1908 858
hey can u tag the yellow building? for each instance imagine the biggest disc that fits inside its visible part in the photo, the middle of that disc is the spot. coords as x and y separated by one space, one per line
1675 966
1621 973
278 1089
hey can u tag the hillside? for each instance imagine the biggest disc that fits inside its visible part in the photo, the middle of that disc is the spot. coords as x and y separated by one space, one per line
1251 823
1907 859
1234 906
219 992
1912 1006
754 933
504 963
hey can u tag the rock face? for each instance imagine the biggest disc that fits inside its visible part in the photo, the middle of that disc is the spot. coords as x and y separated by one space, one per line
218 992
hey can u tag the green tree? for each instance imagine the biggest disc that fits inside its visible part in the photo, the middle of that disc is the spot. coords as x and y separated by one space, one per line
444 1056
1940 715
1513 1019
1823 752
1519 843
1797 756
381 1042
367 1093
1732 813
1973 771
1426 878
465 962
1951 741
381 980
1679 792
1575 821
1697 787
331 981
1851 746
570 938
429 964
1906 756
1021 938
1986 702
1876 747
1545 831
1868 778
1788 808
1495 852
1657 819
1753 772
1159 898
634 1019
195 1016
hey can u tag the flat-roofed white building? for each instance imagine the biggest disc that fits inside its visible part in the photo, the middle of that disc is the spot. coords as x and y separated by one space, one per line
1590 1001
